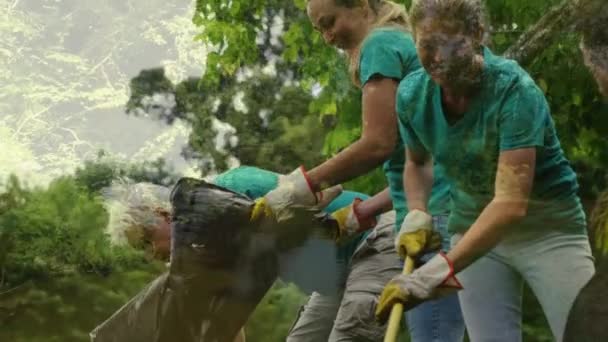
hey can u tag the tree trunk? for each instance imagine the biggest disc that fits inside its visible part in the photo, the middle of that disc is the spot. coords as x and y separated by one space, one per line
561 18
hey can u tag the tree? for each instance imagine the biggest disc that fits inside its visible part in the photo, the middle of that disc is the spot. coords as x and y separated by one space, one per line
97 174
566 16
259 119
59 275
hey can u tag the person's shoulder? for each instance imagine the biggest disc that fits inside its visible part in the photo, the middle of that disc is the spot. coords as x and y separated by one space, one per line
507 75
389 32
414 88
249 180
388 36
415 83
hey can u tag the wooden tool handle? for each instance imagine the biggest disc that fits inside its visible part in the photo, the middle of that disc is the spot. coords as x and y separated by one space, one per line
394 321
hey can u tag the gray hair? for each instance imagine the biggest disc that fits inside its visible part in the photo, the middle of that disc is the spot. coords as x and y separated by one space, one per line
134 209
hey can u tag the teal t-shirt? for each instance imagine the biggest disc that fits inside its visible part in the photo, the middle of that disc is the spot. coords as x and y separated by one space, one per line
509 112
391 53
255 183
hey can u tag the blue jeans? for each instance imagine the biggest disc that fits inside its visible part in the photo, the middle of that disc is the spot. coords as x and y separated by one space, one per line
437 320
555 264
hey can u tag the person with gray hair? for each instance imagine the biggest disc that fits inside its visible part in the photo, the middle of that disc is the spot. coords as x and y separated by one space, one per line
139 216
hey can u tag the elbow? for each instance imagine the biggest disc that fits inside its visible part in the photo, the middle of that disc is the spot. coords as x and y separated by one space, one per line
515 210
380 149
519 212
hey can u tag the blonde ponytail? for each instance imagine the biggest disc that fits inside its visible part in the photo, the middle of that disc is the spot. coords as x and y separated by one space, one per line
388 14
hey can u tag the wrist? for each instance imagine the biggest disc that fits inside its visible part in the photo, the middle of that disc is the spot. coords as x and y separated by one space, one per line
362 209
450 279
366 219
418 206
357 210
308 177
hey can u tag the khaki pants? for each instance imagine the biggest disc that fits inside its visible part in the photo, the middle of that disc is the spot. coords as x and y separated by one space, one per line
351 317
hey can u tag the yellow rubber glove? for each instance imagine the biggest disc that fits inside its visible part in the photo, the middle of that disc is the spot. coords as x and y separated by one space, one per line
350 223
260 210
293 192
417 235
432 280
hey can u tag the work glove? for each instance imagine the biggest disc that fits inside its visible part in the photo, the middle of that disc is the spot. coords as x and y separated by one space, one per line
293 192
416 235
348 222
432 280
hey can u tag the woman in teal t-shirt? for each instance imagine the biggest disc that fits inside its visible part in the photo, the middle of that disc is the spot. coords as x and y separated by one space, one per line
515 213
375 36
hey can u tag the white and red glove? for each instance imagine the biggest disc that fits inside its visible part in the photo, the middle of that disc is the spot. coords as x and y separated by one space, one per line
294 191
350 222
432 280
416 235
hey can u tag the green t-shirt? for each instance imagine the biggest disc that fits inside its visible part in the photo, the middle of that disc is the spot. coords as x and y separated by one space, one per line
390 52
255 183
509 112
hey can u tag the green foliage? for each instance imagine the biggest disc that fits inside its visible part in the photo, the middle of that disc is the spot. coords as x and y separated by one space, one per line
302 51
97 174
271 128
59 275
67 308
279 306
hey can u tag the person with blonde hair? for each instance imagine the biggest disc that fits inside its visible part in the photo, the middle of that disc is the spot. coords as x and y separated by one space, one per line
374 34
515 214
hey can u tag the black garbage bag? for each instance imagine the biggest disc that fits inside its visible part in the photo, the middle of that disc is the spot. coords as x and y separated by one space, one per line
588 317
221 266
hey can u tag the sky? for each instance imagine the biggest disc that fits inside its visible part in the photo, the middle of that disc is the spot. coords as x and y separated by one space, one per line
65 68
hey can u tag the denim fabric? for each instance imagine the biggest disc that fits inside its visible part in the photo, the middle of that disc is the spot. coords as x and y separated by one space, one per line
437 320
555 264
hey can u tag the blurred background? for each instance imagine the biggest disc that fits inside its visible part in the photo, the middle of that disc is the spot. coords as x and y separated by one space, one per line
151 91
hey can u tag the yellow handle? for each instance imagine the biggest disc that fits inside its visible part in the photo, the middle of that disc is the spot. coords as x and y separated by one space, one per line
394 321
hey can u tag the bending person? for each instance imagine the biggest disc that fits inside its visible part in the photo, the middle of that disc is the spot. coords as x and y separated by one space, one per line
363 270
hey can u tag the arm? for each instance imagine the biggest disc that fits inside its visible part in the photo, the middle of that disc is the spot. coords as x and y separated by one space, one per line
418 179
377 142
376 205
513 184
514 179
359 216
